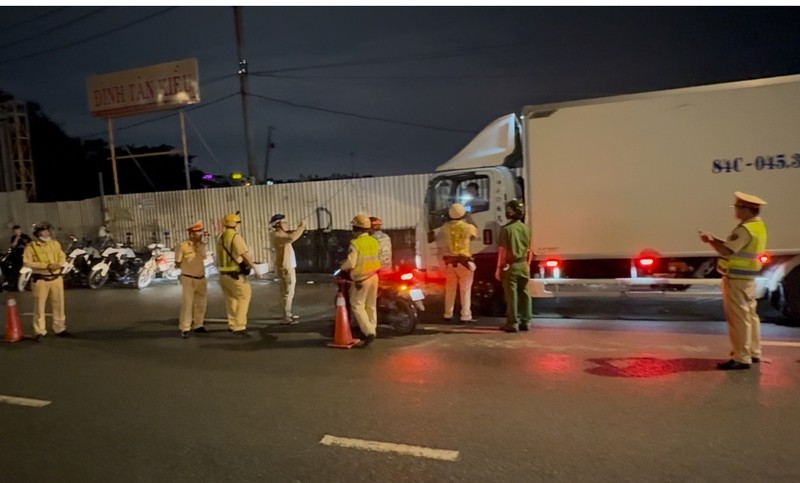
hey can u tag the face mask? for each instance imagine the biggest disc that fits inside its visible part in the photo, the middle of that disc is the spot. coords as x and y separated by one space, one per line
44 238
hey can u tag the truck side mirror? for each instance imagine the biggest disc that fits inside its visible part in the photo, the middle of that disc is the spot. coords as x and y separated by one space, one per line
431 236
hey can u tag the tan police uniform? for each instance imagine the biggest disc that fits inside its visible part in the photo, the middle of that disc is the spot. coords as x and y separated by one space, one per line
459 267
363 262
235 287
739 286
44 283
190 258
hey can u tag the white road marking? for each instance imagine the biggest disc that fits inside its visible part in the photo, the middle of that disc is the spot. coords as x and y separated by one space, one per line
21 401
404 449
780 343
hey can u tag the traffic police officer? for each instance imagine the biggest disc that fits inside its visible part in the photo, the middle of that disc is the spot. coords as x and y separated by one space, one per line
189 257
46 258
739 265
234 262
384 241
363 262
513 267
285 261
460 266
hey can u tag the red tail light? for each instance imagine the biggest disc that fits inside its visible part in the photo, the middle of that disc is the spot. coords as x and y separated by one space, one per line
764 259
551 263
646 262
407 276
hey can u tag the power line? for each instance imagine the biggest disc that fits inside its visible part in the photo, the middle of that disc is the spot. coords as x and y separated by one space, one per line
399 58
87 39
32 19
53 29
396 77
360 116
160 118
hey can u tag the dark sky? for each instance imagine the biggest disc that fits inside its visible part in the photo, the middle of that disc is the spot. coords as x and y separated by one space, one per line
438 73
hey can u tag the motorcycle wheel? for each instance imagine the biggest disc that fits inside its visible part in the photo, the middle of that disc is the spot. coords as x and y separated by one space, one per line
23 283
402 316
144 278
97 279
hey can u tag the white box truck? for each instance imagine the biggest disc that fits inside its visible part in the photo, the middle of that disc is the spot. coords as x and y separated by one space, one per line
617 188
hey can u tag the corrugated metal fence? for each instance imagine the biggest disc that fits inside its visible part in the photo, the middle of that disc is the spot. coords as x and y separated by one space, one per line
326 206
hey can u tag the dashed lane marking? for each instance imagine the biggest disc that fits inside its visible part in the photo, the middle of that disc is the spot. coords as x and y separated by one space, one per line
780 343
22 401
403 449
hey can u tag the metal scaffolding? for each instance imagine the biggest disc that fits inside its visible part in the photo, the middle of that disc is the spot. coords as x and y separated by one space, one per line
15 149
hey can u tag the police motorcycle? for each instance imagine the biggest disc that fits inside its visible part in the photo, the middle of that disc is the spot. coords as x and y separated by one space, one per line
119 264
161 264
400 299
9 275
80 259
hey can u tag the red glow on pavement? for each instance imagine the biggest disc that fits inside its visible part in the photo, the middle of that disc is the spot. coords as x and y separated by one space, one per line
413 367
554 364
636 367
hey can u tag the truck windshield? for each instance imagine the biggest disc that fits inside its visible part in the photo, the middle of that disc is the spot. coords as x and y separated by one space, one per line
469 189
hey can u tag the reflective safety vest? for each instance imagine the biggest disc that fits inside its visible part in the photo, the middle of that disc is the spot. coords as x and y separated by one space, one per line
225 262
458 239
369 261
745 264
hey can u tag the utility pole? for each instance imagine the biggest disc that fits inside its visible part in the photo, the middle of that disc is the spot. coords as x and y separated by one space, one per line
269 148
244 91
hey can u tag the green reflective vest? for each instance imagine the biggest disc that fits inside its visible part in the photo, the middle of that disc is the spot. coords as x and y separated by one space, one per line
746 264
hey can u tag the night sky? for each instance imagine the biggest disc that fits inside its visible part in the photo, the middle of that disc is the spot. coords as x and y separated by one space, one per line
377 90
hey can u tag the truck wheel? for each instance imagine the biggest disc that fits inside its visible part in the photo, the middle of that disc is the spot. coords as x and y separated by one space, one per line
487 298
791 295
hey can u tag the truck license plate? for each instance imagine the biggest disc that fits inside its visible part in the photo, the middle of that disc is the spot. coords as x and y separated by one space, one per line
416 294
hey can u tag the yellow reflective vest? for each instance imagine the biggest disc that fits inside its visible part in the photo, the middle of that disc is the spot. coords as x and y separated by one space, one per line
745 264
225 241
369 261
458 238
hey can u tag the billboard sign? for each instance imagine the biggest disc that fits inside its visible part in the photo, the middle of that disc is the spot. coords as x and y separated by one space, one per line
146 89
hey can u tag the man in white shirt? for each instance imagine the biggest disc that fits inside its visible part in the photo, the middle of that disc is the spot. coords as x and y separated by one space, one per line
285 261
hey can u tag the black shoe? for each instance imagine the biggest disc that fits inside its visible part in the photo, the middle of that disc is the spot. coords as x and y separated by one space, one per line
755 360
447 319
732 365
508 328
366 341
523 327
469 320
37 337
241 333
201 330
63 333
185 334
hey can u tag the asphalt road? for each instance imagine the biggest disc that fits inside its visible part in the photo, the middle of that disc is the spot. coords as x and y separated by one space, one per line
604 391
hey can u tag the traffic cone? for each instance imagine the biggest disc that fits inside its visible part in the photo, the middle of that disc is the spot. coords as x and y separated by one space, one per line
342 337
13 325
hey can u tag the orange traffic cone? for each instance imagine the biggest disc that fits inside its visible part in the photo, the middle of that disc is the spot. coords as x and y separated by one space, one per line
13 325
342 337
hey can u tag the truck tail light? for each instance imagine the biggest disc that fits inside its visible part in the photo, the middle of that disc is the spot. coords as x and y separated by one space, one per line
646 262
551 263
764 259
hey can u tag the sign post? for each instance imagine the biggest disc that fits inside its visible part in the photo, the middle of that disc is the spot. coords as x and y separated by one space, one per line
171 85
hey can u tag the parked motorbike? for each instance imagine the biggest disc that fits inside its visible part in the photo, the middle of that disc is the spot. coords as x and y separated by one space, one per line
10 276
400 300
119 264
81 257
161 264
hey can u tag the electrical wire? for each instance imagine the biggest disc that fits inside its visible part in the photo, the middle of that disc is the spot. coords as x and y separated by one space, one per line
86 39
32 19
359 116
53 29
